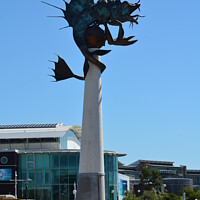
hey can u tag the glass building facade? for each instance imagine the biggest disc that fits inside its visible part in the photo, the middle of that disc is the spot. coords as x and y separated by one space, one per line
54 175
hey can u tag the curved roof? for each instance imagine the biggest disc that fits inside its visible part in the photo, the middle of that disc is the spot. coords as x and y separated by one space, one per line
77 131
50 130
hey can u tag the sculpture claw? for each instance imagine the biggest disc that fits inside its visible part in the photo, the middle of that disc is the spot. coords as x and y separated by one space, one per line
125 41
120 40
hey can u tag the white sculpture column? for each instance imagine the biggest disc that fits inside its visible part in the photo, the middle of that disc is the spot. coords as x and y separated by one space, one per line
91 182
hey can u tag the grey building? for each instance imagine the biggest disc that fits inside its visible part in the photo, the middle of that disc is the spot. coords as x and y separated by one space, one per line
195 175
175 178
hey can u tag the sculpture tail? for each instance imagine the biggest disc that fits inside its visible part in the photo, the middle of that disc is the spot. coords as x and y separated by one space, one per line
62 71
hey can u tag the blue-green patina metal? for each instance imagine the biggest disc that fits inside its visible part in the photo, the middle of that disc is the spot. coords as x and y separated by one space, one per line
84 14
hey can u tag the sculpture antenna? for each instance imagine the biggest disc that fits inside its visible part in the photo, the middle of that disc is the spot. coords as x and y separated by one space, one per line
56 16
52 5
64 27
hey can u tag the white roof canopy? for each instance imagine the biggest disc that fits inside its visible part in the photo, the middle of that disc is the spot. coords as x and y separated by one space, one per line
37 131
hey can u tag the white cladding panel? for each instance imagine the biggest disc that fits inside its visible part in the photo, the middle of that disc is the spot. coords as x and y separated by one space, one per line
73 143
64 137
123 185
33 133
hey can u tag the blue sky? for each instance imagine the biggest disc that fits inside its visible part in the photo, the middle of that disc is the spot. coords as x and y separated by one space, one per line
151 90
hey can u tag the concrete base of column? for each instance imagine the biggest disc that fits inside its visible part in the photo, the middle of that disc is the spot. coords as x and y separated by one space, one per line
91 186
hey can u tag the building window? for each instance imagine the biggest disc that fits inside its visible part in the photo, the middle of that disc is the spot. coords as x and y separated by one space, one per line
30 162
64 160
38 161
54 174
73 161
4 160
22 162
55 161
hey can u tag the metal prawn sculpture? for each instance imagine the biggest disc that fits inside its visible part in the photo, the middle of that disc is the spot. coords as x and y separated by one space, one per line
85 16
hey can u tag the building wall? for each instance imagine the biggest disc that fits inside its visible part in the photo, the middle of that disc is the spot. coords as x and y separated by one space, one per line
175 178
177 185
69 141
169 171
54 175
195 176
123 185
111 173
8 166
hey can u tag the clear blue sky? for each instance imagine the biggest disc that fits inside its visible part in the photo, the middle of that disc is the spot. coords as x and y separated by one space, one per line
151 90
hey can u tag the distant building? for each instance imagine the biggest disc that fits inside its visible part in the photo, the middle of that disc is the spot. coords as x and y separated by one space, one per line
165 168
42 161
175 178
195 175
177 185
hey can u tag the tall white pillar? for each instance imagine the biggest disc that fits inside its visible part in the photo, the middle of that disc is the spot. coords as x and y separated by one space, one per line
91 182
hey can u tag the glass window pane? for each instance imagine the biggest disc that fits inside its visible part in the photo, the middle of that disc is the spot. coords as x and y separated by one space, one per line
110 163
38 161
46 177
46 161
107 177
55 192
20 191
106 162
111 192
111 178
77 158
64 192
47 193
72 161
55 161
64 161
38 178
31 175
115 163
115 177
39 194
72 176
64 176
30 165
22 162
30 157
30 192
22 175
55 176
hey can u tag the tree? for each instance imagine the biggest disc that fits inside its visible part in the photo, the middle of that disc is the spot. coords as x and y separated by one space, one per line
150 179
156 179
192 194
168 196
145 178
131 196
149 195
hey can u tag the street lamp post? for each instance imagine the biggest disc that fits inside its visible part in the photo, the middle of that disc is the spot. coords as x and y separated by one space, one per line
15 184
20 180
74 191
26 185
